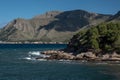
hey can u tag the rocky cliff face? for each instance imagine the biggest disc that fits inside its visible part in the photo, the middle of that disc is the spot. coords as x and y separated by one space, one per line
52 26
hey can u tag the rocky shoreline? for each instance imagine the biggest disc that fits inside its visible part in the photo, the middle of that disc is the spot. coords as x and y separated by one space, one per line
87 56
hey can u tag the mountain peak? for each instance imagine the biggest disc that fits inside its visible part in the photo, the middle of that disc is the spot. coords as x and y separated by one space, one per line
49 14
118 13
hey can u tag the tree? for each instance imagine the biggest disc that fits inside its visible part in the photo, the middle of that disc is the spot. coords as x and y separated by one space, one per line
105 37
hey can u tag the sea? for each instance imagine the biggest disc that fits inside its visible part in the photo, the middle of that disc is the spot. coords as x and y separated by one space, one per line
16 64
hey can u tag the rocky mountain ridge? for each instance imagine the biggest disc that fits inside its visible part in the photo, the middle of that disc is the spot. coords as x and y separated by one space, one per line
54 26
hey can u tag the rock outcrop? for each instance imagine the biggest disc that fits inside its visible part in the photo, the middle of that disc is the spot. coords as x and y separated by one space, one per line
57 55
88 56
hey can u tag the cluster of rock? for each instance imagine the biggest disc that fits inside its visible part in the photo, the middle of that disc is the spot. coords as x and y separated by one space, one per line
58 55
86 56
89 56
111 57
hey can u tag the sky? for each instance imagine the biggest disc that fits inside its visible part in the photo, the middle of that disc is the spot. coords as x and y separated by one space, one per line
12 9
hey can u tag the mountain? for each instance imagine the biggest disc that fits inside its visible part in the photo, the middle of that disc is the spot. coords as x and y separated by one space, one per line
115 18
53 26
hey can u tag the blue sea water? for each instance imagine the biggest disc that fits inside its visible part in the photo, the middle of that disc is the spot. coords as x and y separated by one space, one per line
16 65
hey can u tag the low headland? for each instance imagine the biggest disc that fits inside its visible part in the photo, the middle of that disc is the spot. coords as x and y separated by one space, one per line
98 43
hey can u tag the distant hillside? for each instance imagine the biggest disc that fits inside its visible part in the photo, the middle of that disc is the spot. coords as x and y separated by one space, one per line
54 26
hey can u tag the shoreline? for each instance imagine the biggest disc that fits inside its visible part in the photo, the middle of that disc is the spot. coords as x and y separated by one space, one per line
82 61
85 57
65 56
33 42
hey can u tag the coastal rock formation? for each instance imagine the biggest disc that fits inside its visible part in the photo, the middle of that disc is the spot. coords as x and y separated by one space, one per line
111 57
115 55
58 55
87 55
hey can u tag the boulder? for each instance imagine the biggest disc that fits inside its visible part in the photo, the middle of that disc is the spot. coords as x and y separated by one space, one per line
115 55
106 56
86 55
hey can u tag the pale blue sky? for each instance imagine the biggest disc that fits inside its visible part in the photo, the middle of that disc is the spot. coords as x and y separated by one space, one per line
11 9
